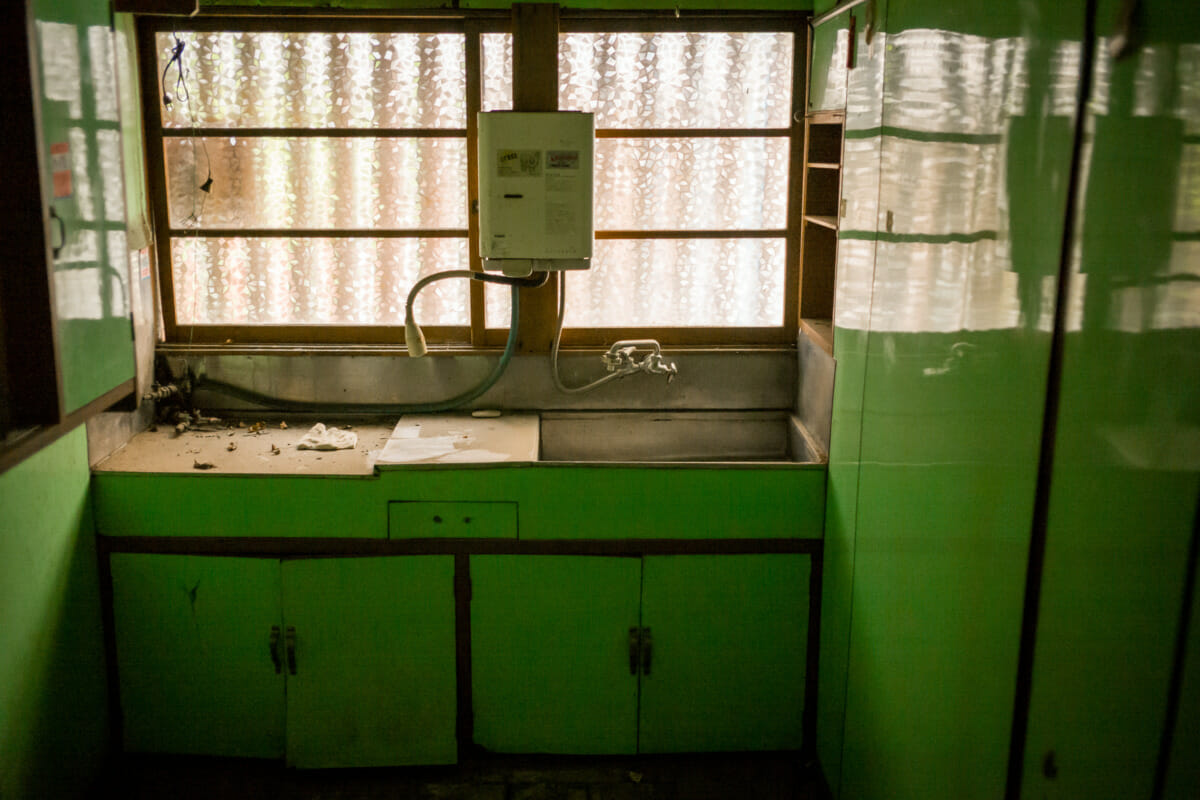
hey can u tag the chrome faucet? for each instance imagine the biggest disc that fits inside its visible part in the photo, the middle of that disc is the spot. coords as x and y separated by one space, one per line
621 359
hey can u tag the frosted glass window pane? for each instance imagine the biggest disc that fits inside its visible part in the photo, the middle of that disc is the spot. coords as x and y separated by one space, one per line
315 80
497 52
497 305
317 281
679 283
678 80
318 182
681 184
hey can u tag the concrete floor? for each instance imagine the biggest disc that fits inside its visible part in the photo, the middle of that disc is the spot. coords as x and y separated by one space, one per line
691 777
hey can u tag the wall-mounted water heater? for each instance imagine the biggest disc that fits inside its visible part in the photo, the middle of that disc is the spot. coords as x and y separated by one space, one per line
535 191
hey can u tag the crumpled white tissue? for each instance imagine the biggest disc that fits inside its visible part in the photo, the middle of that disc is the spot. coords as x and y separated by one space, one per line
320 438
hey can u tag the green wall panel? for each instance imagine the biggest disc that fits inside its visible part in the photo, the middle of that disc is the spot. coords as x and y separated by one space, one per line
729 644
550 655
937 429
1183 768
195 669
53 692
375 661
1126 473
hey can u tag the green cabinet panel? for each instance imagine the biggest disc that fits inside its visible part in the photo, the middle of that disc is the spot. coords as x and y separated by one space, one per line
193 654
575 502
375 661
729 637
239 505
555 667
556 502
206 644
84 186
426 520
550 653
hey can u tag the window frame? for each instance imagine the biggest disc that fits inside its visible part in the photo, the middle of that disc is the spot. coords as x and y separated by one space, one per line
473 25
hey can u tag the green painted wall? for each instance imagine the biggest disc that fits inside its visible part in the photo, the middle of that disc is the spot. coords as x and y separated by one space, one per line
53 692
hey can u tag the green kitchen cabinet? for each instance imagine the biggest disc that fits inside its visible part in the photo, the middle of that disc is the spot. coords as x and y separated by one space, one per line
549 653
375 652
83 188
608 655
194 661
729 638
329 662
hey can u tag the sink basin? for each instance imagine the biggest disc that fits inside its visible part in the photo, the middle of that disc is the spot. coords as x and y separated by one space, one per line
675 437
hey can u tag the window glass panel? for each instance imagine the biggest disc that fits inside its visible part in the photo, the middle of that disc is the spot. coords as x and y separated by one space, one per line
314 80
679 282
317 281
317 182
498 305
497 52
678 80
681 184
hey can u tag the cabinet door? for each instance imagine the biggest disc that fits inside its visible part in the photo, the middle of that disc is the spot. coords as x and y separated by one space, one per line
194 655
729 640
374 681
550 653
84 186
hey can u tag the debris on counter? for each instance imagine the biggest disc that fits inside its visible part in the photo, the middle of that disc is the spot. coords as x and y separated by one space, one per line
258 427
282 425
321 438
202 464
231 446
274 449
241 423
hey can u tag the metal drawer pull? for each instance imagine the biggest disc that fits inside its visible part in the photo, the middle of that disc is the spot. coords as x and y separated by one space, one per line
647 650
276 658
290 638
634 647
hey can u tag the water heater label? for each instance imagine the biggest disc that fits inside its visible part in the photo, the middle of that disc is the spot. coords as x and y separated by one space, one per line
518 163
562 159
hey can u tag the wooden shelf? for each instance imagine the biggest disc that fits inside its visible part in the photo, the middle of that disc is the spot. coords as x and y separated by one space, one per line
820 331
823 221
819 222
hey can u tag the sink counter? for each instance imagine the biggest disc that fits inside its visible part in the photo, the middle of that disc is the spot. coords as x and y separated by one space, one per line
230 449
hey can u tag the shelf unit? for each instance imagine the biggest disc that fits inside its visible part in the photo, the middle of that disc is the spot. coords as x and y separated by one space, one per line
821 217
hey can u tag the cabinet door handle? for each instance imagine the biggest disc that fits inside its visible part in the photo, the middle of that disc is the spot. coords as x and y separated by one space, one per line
290 638
273 645
56 249
634 647
647 650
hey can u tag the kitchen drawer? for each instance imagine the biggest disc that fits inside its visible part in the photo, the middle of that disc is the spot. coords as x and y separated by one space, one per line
451 520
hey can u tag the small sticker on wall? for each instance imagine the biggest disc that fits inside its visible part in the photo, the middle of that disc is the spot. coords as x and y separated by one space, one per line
143 257
60 169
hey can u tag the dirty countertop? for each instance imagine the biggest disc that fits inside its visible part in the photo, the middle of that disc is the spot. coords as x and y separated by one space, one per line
270 445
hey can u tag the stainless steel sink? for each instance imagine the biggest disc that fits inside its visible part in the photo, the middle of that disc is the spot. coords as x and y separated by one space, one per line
674 437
